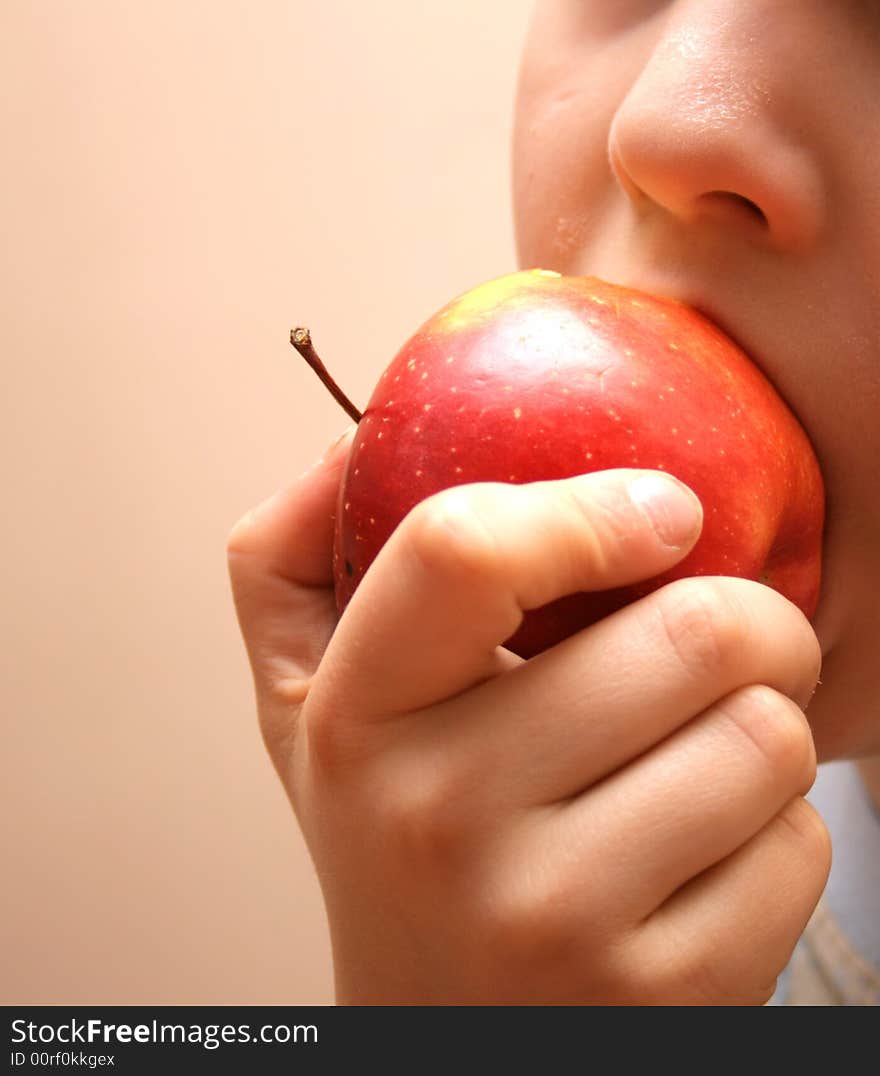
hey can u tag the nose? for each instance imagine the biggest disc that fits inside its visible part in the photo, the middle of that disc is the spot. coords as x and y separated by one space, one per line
712 131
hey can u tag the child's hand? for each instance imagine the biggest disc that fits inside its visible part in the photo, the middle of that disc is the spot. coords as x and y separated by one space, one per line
618 821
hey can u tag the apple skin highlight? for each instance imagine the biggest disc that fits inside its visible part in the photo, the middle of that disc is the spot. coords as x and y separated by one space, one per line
537 376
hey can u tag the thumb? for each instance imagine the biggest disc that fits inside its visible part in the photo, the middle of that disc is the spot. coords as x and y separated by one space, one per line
280 557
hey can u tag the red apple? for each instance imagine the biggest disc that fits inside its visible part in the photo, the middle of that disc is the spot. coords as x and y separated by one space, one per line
540 376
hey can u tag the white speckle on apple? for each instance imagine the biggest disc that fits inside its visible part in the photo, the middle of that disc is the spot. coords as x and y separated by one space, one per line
517 412
670 388
674 430
347 505
372 520
417 429
427 407
508 388
588 455
419 474
672 345
458 470
425 376
453 388
379 436
453 450
450 358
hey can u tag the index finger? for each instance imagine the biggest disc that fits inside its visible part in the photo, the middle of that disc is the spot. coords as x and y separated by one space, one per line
454 580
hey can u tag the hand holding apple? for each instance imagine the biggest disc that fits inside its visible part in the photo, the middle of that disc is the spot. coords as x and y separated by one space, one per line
614 821
537 376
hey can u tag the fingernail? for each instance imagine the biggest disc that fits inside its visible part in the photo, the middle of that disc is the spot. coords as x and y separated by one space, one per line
351 426
674 511
338 440
331 448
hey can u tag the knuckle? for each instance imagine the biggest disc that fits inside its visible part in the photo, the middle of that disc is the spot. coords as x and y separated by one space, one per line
326 739
527 926
595 534
684 970
235 538
775 727
335 746
239 538
804 826
706 979
423 819
697 979
447 534
705 626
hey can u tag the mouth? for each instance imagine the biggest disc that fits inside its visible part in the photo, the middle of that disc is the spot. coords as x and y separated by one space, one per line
753 353
769 362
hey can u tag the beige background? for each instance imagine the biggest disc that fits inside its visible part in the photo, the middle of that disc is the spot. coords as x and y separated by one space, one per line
185 179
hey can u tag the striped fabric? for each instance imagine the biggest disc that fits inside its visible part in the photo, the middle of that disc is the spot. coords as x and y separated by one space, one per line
827 970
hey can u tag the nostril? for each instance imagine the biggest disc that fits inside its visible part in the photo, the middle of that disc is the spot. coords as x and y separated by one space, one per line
720 199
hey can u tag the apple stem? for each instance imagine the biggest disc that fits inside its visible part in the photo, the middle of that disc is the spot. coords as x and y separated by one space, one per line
302 340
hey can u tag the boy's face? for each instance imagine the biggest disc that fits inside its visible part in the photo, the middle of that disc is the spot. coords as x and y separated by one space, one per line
727 153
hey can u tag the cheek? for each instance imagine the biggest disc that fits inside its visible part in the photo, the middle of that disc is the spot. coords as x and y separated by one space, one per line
562 180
